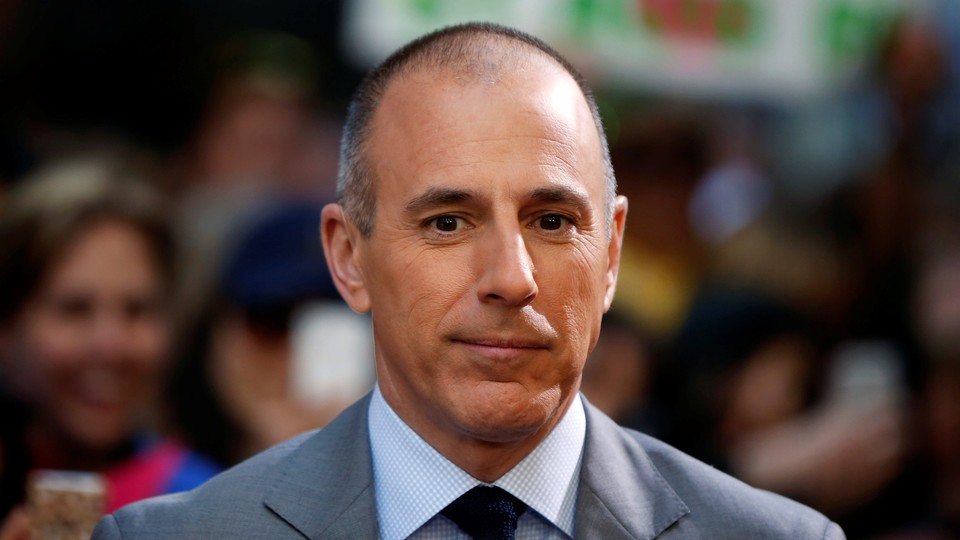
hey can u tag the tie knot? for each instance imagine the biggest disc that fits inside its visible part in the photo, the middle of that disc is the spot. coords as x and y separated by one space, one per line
486 513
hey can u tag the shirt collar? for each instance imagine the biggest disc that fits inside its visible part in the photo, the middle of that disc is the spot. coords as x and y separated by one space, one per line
413 482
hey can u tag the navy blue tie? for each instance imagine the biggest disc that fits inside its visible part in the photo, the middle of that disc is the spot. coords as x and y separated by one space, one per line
486 513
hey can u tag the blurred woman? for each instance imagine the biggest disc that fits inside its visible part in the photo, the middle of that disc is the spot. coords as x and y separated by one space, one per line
254 363
85 263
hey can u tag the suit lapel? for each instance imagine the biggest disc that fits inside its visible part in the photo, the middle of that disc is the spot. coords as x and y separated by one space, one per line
622 495
325 488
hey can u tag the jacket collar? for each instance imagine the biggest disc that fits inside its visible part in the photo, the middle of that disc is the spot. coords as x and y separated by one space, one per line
325 488
622 494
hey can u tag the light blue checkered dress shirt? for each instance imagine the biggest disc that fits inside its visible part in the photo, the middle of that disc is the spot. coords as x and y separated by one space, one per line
413 482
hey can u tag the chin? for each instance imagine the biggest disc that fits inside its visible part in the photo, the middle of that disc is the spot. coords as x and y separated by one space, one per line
93 436
500 433
101 442
507 421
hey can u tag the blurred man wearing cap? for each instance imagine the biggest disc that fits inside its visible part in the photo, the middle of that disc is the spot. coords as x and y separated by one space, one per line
479 225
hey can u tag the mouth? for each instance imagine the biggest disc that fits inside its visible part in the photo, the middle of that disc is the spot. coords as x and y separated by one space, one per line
101 389
502 348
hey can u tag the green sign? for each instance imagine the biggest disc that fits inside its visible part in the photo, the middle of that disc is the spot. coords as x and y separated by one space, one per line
765 48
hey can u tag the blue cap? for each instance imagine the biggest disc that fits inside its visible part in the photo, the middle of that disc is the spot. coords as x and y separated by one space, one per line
278 259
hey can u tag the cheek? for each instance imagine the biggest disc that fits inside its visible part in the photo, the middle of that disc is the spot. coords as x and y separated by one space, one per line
41 358
576 290
149 343
423 289
51 345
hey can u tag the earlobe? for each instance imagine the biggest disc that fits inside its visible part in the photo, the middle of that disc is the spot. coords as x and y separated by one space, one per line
340 246
617 227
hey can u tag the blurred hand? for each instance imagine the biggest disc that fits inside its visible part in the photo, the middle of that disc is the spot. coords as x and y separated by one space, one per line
279 419
834 459
16 526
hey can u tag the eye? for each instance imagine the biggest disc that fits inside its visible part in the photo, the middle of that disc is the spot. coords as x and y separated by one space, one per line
73 306
141 308
552 222
446 223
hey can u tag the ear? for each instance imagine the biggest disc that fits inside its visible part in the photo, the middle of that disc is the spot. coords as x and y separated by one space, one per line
613 250
341 248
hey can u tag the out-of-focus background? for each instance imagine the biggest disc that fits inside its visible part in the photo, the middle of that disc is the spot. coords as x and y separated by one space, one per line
789 299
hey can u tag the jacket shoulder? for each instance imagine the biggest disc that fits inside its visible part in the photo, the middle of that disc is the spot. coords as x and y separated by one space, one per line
229 505
718 499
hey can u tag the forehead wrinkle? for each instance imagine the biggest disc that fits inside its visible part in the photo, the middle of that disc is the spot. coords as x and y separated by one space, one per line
566 158
559 154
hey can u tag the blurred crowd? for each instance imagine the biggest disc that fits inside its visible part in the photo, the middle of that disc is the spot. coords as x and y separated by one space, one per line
165 308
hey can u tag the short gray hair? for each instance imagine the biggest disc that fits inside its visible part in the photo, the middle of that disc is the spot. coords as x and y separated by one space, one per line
469 49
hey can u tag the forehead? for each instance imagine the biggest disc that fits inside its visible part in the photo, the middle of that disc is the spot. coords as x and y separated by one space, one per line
531 115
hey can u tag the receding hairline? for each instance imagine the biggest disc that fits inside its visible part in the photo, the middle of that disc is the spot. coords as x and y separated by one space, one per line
474 57
469 49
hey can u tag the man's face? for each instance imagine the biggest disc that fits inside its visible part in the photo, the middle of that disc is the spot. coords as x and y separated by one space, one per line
490 263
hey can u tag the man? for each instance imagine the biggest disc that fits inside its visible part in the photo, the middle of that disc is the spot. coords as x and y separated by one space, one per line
478 224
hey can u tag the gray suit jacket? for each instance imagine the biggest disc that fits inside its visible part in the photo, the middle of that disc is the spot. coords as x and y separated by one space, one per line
320 485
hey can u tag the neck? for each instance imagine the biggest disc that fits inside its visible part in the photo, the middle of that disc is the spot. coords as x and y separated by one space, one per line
487 461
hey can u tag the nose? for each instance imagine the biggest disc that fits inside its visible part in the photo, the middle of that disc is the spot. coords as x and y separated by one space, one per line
109 334
507 271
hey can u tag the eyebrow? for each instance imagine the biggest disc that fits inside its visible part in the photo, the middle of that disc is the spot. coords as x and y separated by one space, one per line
435 197
563 195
